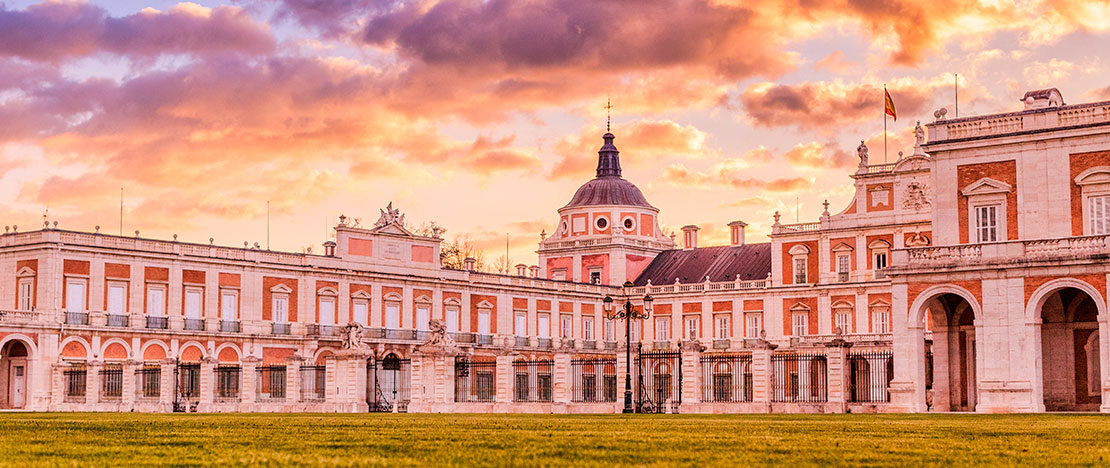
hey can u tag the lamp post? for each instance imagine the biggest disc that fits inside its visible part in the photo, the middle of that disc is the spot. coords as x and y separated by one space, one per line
627 312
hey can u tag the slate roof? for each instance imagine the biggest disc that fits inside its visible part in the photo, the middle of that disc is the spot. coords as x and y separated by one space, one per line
723 263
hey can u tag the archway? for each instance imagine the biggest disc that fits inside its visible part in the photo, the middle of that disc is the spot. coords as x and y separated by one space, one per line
952 354
1070 361
14 374
388 384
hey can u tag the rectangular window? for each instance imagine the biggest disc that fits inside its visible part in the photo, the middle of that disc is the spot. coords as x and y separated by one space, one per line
327 310
26 294
453 318
800 270
361 311
754 325
880 262
393 315
229 305
724 327
662 328
843 264
423 316
986 223
882 321
587 328
801 324
281 308
692 325
843 322
521 324
156 301
636 325
483 322
75 295
117 296
1098 208
193 297
595 276
610 331
543 321
566 326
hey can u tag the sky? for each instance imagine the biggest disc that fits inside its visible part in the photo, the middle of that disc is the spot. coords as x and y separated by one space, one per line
485 116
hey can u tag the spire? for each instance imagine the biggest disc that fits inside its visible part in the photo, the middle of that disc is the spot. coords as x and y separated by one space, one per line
608 158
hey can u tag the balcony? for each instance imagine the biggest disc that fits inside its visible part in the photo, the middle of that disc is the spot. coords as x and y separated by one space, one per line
485 339
157 323
721 344
523 341
544 343
77 318
323 331
589 344
1011 253
229 326
463 337
610 345
282 328
18 316
118 320
194 324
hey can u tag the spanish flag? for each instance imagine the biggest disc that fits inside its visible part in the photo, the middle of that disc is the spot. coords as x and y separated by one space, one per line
890 105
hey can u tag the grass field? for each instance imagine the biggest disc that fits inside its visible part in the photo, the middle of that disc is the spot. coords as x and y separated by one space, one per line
549 440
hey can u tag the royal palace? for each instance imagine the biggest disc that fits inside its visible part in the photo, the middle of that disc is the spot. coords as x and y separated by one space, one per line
970 275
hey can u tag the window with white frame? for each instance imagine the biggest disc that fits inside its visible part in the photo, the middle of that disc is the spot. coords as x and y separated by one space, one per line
724 327
880 255
800 316
521 323
360 309
595 275
483 320
26 293
843 267
423 315
156 300
986 223
986 203
880 317
636 327
1094 185
662 328
799 255
843 320
1098 215
280 308
75 294
543 324
327 310
754 325
693 327
587 328
452 313
117 297
566 326
193 302
393 313
610 330
229 305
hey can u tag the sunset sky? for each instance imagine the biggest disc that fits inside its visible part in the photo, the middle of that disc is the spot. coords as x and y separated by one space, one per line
485 116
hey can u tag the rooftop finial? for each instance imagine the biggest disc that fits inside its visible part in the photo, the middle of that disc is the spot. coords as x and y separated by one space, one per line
608 108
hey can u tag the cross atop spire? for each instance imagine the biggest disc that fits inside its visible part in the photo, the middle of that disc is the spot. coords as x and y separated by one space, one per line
608 107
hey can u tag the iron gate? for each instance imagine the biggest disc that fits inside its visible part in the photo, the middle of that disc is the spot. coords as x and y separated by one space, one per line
388 384
659 377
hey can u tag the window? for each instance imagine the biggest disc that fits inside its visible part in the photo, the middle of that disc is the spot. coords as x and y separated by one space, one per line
800 265
483 322
724 326
880 257
521 324
117 296
595 276
26 293
610 331
327 310
801 323
543 320
635 332
392 315
881 320
423 316
229 305
986 223
754 325
75 295
692 326
629 224
452 318
281 308
602 223
362 311
566 326
843 322
1098 210
193 297
587 328
880 261
156 300
843 264
662 328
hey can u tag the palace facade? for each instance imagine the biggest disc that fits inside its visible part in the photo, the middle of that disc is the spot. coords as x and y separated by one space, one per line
970 275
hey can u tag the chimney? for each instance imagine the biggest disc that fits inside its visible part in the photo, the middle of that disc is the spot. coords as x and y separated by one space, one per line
736 232
521 269
468 263
329 248
690 236
534 271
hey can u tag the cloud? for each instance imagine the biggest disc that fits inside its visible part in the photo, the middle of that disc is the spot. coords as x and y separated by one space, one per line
55 30
1048 73
1099 93
825 105
836 62
816 155
722 175
641 143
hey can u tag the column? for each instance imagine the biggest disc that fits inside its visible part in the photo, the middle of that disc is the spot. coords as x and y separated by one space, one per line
504 372
331 393
92 384
129 389
293 380
561 390
836 354
57 383
691 377
622 369
166 384
207 383
762 375
249 393
358 383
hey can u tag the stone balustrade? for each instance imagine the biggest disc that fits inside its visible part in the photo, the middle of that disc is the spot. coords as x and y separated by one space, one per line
1064 248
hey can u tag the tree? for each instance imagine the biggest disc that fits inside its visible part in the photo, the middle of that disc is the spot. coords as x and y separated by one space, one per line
457 250
501 265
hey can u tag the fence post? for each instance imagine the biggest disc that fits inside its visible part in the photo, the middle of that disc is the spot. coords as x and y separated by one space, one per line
293 365
691 376
331 379
249 394
836 353
207 384
561 387
622 368
128 387
92 384
503 398
166 371
762 375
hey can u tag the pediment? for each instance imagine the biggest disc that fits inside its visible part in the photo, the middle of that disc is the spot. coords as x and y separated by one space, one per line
798 250
842 305
361 294
799 307
1094 176
878 244
327 291
394 228
485 305
880 304
986 186
25 271
843 247
281 288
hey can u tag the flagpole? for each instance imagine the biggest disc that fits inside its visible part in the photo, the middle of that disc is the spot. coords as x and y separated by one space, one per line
884 124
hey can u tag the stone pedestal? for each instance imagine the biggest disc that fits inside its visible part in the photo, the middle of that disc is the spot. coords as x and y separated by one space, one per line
248 394
92 383
207 383
836 356
433 372
691 375
167 384
623 367
504 377
350 390
762 375
129 389
562 382
293 380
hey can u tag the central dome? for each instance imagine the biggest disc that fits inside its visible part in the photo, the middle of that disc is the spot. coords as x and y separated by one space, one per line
608 188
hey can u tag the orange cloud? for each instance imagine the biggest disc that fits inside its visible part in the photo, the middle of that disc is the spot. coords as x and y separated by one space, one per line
641 143
824 105
678 174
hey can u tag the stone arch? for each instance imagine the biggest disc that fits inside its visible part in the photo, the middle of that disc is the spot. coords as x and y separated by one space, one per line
1040 295
1063 365
154 350
32 350
321 354
917 310
228 353
80 348
110 349
185 354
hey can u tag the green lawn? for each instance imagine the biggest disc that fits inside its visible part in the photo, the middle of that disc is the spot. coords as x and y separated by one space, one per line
551 440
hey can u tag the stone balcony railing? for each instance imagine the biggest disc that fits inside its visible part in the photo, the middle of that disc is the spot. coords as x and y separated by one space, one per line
1064 248
1001 124
19 317
701 287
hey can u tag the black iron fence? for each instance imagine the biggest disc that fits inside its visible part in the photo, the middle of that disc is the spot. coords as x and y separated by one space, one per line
194 324
594 379
313 382
77 318
111 382
157 322
270 383
228 378
798 377
75 380
118 320
188 382
928 370
475 380
148 382
869 376
388 384
532 380
726 378
660 381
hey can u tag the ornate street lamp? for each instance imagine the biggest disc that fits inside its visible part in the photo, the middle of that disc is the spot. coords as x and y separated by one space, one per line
627 312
